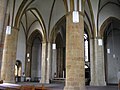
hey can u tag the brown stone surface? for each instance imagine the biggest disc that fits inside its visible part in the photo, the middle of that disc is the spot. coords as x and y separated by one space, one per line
9 57
75 72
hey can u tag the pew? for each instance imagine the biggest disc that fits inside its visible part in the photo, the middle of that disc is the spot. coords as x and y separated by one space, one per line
40 88
10 88
27 88
24 87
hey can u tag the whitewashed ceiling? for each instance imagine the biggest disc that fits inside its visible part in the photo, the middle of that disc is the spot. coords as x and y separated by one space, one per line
44 14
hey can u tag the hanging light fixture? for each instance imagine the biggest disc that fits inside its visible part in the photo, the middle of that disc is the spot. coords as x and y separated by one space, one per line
28 55
100 42
8 30
28 60
75 15
53 46
77 9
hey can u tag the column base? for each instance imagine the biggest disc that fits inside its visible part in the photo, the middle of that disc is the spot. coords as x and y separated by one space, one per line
74 88
97 84
47 82
93 83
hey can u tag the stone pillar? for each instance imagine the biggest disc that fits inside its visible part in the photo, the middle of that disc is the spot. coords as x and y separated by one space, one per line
2 14
9 56
3 22
75 71
43 68
92 63
48 62
54 63
99 62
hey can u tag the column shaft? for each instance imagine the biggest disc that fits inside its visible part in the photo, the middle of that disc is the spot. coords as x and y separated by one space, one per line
43 68
54 62
92 62
9 57
75 71
3 22
97 64
48 62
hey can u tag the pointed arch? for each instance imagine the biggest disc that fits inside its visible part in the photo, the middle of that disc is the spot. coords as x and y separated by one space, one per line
106 23
61 24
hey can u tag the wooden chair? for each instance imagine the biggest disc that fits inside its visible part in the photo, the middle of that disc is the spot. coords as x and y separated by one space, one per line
27 88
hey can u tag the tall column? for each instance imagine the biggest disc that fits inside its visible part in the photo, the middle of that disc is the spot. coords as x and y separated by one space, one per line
9 56
2 25
48 62
92 62
75 71
54 62
43 68
99 62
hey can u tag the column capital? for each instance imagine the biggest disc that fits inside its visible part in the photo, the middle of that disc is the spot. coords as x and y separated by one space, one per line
43 42
99 37
15 28
96 38
76 5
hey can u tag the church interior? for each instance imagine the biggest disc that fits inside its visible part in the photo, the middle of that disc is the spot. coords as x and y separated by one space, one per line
39 46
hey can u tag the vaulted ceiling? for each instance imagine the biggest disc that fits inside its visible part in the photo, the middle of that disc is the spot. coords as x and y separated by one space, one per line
44 15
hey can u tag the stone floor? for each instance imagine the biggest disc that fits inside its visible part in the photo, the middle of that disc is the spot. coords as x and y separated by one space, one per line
88 88
61 86
101 88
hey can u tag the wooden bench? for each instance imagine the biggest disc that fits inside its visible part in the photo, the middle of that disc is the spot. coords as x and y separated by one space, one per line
24 87
40 88
27 88
10 88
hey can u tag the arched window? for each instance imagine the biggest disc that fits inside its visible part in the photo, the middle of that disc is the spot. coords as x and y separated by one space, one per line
18 68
